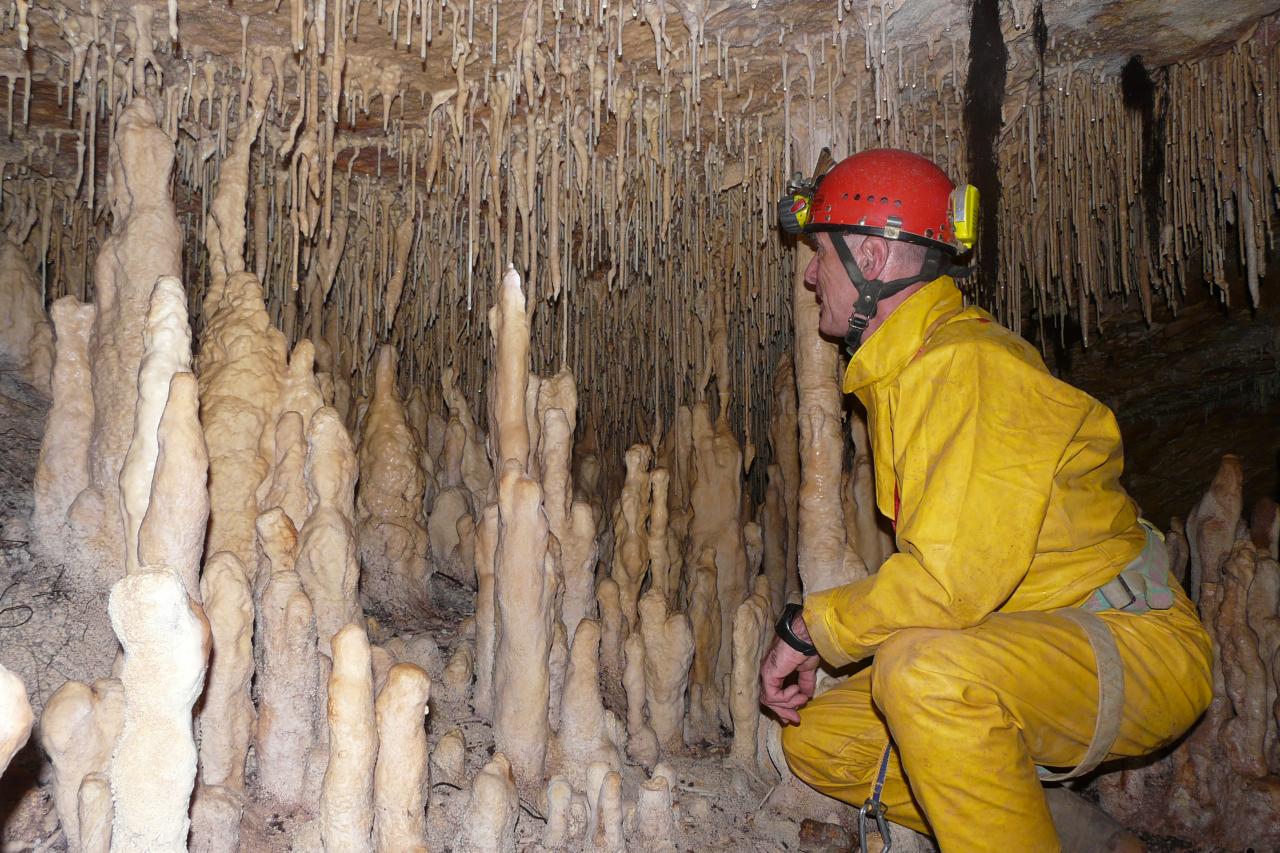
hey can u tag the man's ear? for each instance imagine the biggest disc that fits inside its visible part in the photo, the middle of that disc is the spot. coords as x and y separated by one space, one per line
872 256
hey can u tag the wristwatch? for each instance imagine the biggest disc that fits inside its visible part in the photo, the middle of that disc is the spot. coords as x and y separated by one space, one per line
784 630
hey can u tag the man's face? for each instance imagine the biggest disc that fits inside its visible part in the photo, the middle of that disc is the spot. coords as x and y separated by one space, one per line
836 295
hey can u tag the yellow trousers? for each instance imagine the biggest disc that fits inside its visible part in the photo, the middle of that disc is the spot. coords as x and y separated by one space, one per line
973 711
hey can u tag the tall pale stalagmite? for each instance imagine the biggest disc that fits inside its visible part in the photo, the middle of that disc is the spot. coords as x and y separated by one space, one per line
173 528
524 595
569 520
226 718
243 357
288 675
400 779
750 635
784 436
588 731
705 701
62 470
346 800
145 243
825 558
78 731
715 496
668 651
166 340
26 338
630 531
509 325
326 544
153 769
392 539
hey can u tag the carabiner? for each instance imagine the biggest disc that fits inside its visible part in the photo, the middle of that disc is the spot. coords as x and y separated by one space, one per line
872 810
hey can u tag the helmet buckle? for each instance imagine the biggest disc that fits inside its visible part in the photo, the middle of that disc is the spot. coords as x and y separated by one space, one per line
893 228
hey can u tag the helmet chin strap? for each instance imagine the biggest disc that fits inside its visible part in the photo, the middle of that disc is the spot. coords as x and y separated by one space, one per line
870 292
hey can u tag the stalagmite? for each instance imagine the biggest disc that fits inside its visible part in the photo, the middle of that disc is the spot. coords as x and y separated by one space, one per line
655 824
62 471
630 540
173 528
93 814
145 244
392 540
715 497
613 630
153 768
288 677
26 338
704 688
490 825
1211 526
668 652
486 610
346 800
15 717
458 672
568 519
559 797
824 557
751 635
226 718
326 543
401 776
448 759
588 732
607 815
524 592
78 732
642 743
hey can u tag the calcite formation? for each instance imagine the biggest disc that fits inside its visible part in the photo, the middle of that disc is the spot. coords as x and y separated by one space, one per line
26 336
392 539
16 718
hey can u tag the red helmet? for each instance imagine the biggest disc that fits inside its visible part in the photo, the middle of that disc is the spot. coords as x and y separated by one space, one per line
889 193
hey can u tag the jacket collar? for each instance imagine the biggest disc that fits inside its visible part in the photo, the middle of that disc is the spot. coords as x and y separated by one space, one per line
902 334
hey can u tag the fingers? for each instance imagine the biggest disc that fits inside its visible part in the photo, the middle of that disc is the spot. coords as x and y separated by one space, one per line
807 682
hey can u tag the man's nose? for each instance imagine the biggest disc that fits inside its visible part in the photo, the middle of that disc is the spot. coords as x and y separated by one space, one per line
811 273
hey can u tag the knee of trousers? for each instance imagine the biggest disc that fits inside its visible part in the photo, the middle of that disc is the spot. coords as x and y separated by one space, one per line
807 756
918 666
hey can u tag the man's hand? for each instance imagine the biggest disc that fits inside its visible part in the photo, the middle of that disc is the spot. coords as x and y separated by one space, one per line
780 661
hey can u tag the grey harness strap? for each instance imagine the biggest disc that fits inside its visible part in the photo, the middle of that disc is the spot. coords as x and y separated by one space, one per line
1110 693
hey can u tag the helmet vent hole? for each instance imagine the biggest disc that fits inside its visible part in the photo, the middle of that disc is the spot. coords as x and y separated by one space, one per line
846 195
897 203
928 232
857 196
884 199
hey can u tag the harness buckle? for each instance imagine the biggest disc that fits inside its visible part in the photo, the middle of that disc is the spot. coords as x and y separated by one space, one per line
873 816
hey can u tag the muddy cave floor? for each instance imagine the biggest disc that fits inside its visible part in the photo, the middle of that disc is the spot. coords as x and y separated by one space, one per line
717 809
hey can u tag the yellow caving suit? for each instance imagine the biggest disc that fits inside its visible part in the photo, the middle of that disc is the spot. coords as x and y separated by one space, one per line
1004 485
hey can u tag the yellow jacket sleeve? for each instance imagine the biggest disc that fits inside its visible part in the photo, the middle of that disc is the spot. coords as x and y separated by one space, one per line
978 435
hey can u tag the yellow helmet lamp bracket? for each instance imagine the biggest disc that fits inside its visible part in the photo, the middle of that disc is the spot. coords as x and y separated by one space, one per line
964 215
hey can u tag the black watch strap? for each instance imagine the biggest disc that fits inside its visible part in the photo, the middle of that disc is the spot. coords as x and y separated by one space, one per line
784 630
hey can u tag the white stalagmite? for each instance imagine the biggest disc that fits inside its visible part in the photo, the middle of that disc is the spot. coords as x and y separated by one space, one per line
750 635
392 540
588 731
78 731
15 717
716 495
490 824
346 800
326 543
226 718
153 769
642 743
401 778
93 811
145 244
630 536
524 594
288 673
509 325
166 341
569 520
668 651
173 528
62 470
824 558
655 822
